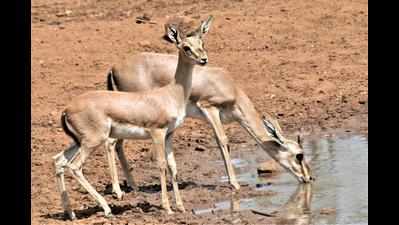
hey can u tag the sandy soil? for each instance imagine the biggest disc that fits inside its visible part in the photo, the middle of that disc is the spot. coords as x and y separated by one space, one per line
306 62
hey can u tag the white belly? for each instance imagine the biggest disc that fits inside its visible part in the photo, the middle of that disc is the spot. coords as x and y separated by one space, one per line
128 131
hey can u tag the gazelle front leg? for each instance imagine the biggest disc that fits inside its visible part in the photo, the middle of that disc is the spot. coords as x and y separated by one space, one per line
173 171
158 138
110 149
213 115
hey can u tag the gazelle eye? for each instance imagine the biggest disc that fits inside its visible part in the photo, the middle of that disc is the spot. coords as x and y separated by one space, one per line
187 49
299 157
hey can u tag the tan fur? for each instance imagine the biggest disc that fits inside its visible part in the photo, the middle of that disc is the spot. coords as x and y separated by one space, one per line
102 117
212 88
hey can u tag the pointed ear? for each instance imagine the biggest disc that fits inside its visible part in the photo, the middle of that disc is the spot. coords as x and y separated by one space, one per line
272 131
299 140
173 34
205 25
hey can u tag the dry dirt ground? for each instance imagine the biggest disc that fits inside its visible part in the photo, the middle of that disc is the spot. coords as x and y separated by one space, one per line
305 62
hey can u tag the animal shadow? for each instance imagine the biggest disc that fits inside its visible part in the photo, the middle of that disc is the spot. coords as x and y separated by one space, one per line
145 207
155 188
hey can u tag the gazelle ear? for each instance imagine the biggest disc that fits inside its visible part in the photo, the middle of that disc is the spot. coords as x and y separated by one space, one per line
272 131
299 140
205 25
173 34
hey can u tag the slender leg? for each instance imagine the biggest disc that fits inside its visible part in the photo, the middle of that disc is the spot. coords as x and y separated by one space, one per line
213 116
61 160
234 203
110 149
173 172
76 168
154 154
124 164
158 137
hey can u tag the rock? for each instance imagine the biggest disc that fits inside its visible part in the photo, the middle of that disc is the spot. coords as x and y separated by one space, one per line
80 189
68 12
268 167
145 18
263 185
53 113
144 44
344 99
327 211
54 23
65 13
199 148
60 14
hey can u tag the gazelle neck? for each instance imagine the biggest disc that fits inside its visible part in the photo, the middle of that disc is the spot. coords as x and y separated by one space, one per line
183 75
250 119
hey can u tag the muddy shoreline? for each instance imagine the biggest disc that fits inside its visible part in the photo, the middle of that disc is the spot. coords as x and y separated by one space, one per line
304 63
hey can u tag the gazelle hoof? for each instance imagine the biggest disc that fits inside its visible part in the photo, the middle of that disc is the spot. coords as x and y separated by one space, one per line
118 195
131 188
108 215
235 185
70 215
168 210
181 208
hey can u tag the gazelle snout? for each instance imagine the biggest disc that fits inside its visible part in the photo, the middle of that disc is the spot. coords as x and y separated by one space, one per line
305 176
203 61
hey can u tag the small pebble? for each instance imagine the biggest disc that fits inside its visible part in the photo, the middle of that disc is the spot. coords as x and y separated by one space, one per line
327 211
199 149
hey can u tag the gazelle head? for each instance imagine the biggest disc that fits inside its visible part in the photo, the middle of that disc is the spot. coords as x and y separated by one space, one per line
287 152
191 45
297 210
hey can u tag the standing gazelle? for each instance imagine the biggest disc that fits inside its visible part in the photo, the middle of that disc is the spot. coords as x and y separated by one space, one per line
101 117
216 99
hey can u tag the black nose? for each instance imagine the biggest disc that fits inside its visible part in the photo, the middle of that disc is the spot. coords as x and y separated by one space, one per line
204 61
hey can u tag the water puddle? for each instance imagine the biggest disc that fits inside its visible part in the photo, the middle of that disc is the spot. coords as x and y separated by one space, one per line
339 195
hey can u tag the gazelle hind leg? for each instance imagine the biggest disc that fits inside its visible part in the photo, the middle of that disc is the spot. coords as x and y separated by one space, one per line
158 137
61 160
213 116
110 150
76 168
173 172
125 164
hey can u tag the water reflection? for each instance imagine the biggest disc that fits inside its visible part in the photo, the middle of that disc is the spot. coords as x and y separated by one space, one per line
298 208
295 211
340 165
